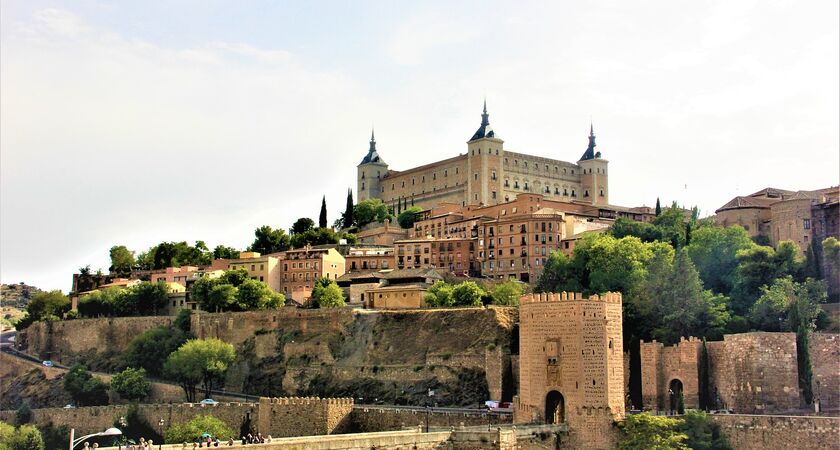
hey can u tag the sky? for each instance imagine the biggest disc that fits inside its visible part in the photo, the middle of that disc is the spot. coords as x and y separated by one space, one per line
136 122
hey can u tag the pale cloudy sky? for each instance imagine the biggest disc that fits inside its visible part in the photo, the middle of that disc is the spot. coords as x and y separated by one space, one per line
136 122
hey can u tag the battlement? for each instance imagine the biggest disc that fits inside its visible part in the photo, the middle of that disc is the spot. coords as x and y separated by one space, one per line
305 401
607 297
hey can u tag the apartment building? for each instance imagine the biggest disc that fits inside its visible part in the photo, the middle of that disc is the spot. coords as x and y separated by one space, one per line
300 268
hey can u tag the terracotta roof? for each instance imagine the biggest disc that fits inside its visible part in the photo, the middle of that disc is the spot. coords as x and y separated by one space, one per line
771 193
747 202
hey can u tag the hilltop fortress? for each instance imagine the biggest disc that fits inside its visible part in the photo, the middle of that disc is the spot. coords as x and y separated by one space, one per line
486 175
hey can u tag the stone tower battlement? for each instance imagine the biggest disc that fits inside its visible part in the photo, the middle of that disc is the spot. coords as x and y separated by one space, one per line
607 297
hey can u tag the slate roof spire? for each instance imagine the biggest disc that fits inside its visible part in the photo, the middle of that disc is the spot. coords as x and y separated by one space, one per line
485 130
372 156
590 150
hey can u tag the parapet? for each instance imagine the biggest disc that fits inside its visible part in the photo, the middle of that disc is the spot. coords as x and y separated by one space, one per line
607 297
309 401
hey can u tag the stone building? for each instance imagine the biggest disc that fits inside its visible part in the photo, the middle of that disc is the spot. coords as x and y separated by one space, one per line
369 258
486 175
301 267
571 365
671 372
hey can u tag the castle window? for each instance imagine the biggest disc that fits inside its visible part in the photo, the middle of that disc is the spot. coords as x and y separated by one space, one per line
546 167
507 182
456 171
556 169
602 192
807 224
506 160
515 162
573 171
507 198
393 186
516 184
382 189
564 170
423 179
476 196
556 191
586 193
526 185
363 185
403 184
434 176
494 195
497 152
493 176
412 181
363 175
526 164
573 193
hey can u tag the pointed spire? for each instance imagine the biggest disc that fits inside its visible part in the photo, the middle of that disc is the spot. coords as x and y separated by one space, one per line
372 141
590 149
372 155
485 118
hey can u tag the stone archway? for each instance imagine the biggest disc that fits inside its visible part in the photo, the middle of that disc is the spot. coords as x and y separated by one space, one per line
676 400
555 408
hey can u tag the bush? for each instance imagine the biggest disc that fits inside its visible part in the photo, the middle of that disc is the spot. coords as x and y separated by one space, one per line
328 294
191 431
508 293
467 293
131 384
645 431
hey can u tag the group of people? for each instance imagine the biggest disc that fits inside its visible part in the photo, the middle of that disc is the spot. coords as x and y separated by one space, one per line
142 445
215 442
255 439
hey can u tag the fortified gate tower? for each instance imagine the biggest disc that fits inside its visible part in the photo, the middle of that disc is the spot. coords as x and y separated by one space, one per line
571 366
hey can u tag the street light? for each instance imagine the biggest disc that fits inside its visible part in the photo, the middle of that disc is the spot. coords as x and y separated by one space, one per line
123 424
109 432
160 425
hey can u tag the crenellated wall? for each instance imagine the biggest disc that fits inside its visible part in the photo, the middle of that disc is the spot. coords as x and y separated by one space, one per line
662 365
767 432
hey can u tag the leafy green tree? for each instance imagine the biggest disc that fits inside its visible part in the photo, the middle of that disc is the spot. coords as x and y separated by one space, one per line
183 320
439 295
315 236
617 264
302 225
267 240
175 254
149 298
347 218
322 217
85 389
25 437
702 432
47 305
253 294
55 436
407 218
23 414
647 232
222 252
770 311
714 250
131 384
328 294
671 226
222 297
234 277
99 303
758 266
150 349
122 260
202 361
467 293
647 432
508 293
562 273
193 430
370 210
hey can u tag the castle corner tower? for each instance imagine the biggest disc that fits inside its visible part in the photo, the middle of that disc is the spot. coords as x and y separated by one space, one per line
370 172
594 181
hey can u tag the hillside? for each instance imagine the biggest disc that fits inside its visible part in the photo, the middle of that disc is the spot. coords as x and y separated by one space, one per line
16 295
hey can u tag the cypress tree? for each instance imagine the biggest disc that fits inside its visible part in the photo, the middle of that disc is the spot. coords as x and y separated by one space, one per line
348 210
322 219
803 360
658 207
687 233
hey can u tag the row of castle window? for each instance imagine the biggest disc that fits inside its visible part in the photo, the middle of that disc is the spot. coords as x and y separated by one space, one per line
490 150
537 166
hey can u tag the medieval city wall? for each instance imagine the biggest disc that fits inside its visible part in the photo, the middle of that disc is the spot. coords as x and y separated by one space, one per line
825 363
271 416
63 341
766 432
372 418
661 365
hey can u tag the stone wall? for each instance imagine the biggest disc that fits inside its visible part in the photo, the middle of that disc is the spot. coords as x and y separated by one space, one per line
371 418
64 341
825 362
271 416
766 432
755 372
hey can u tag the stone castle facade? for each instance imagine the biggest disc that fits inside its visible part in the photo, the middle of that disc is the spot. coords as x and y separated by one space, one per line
486 175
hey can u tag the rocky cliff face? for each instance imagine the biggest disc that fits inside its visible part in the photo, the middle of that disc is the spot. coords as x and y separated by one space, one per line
460 356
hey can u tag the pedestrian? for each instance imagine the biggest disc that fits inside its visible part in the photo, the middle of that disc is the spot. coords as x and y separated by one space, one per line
230 441
244 441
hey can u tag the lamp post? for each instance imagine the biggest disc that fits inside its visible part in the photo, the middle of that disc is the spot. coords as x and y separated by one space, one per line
123 424
109 432
160 426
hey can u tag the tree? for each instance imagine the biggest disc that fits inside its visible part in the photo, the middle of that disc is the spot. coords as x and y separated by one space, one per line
222 252
508 293
23 414
25 437
347 218
222 297
439 294
758 266
202 361
647 432
561 273
253 294
150 349
770 311
47 305
370 210
268 241
407 218
99 303
714 250
85 389
658 210
702 432
327 293
302 225
193 430
149 298
467 293
131 384
122 260
671 226
315 236
322 217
